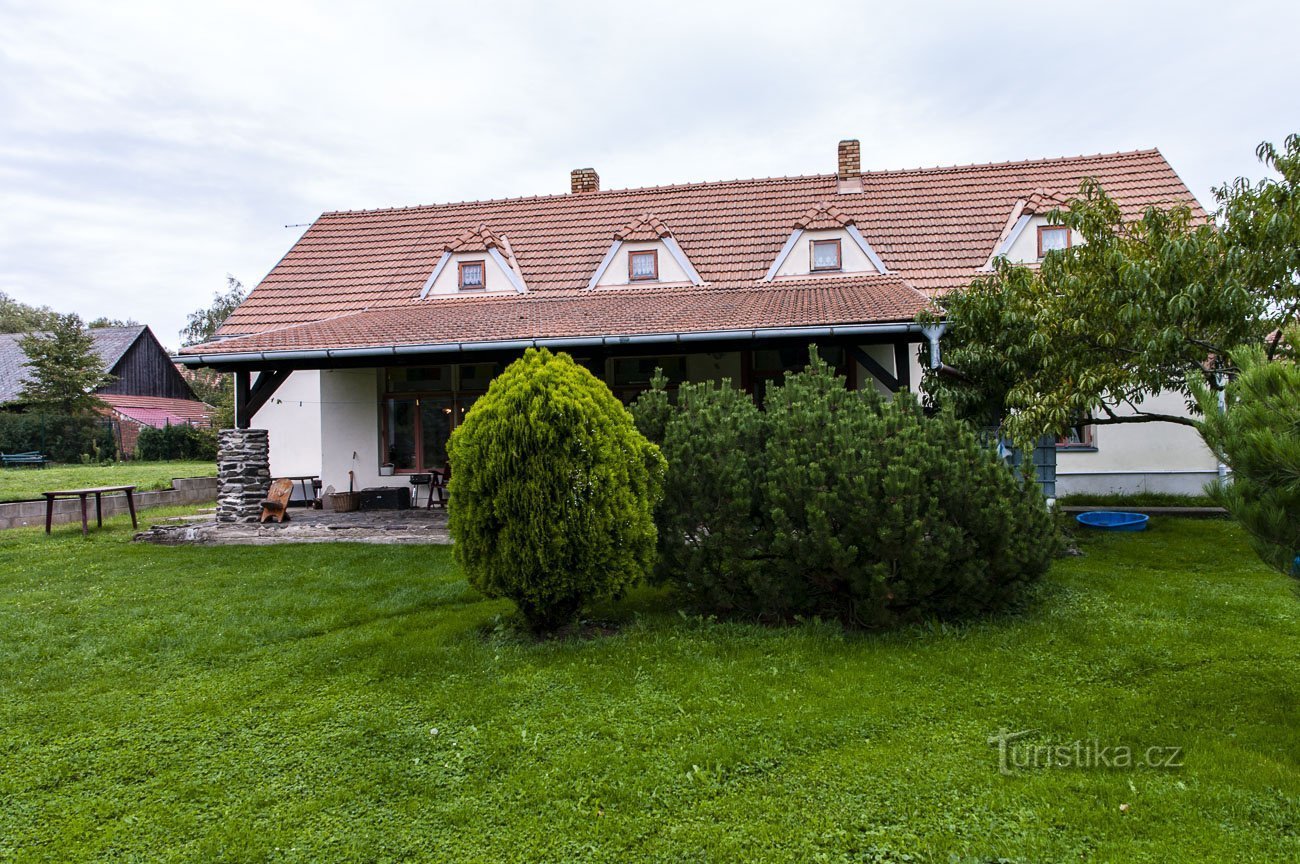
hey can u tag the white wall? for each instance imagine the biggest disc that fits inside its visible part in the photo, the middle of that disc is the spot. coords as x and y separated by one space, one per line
670 272
350 434
1143 457
852 258
292 418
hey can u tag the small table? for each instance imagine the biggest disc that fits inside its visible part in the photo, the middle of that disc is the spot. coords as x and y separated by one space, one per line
306 482
97 491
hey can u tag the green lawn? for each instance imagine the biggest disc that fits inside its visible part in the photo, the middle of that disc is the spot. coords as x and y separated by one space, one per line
1139 499
338 703
17 484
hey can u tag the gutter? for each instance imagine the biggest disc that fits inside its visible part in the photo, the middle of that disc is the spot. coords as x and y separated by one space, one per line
258 357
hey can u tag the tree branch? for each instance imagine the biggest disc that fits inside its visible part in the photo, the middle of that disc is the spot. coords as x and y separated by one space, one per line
1114 419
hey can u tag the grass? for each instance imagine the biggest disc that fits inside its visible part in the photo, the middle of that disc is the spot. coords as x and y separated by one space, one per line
354 703
19 484
1138 499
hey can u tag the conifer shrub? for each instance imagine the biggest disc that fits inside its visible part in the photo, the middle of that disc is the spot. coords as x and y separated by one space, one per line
1258 437
843 504
553 491
712 438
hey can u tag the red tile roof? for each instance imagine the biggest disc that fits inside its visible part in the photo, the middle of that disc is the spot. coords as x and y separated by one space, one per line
643 311
934 228
158 411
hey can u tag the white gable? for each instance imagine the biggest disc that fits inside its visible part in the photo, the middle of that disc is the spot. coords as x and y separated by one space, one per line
674 268
1021 245
856 255
498 275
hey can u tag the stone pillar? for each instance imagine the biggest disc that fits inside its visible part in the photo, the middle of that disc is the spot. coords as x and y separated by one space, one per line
243 472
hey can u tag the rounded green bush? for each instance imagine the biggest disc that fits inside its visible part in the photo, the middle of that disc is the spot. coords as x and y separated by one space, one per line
838 503
553 490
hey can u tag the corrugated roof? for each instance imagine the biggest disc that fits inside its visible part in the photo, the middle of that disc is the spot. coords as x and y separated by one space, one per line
158 411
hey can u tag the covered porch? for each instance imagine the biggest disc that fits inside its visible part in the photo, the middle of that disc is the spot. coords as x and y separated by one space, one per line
371 418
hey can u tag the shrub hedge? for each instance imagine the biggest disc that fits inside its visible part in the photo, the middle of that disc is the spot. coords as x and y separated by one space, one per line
176 442
838 503
552 490
61 437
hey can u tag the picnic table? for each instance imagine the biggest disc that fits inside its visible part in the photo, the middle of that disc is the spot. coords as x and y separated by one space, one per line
83 494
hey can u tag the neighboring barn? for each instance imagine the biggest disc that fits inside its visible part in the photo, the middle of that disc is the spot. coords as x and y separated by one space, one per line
147 390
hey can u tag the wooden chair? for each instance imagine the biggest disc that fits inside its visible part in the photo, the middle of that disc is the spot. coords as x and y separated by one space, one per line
438 491
276 505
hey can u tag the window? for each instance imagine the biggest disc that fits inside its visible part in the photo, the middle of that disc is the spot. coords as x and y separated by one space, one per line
471 275
420 408
643 266
825 255
630 376
1080 437
1052 237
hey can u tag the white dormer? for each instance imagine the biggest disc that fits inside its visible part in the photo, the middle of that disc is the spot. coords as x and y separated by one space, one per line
1028 235
644 252
825 242
476 262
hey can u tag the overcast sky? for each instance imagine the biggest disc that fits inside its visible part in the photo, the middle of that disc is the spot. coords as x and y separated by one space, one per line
148 149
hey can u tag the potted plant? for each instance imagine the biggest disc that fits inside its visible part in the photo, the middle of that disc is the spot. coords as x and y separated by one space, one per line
387 469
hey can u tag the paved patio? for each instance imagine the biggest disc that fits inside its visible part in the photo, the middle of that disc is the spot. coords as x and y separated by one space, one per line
305 526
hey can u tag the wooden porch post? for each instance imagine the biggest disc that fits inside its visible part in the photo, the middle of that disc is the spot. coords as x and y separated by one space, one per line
243 417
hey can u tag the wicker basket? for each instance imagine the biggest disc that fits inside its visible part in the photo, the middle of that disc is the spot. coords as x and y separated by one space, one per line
344 502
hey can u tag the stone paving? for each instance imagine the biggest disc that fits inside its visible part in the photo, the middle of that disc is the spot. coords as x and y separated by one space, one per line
305 526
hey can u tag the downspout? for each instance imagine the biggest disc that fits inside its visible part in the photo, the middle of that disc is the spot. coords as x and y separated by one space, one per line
933 332
1222 381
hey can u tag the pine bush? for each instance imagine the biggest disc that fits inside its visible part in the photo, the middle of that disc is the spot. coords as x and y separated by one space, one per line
708 536
839 503
553 491
1259 438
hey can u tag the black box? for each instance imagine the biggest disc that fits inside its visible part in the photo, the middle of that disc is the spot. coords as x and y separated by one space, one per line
386 498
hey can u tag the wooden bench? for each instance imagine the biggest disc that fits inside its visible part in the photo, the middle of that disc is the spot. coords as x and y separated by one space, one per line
83 494
31 458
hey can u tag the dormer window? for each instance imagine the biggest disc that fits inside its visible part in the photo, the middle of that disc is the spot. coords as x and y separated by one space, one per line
471 275
825 255
1052 238
643 266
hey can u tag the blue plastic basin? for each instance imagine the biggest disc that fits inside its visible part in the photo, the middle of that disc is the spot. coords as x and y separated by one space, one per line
1111 520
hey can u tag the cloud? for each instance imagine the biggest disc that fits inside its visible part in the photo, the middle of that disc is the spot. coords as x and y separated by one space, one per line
147 149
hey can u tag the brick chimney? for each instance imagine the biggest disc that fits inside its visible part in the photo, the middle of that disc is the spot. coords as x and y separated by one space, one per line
584 180
849 169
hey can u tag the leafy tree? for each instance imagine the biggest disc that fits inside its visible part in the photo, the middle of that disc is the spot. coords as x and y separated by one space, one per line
17 317
210 386
1258 435
1261 228
65 369
102 322
1141 307
202 324
553 490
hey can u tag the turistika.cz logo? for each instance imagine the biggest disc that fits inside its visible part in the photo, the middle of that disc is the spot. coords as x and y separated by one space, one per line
1015 753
